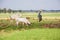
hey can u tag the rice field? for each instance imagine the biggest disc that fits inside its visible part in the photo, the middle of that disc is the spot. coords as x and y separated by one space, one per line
32 34
47 29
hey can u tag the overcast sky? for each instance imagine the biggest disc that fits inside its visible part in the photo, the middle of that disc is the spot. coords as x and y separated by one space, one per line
31 4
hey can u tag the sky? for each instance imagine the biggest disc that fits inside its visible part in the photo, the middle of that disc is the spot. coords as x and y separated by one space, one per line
30 4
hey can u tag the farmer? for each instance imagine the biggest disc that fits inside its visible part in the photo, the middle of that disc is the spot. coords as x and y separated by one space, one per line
39 16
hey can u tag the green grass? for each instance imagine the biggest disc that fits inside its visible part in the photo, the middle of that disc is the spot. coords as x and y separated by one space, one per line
32 14
55 14
36 31
32 34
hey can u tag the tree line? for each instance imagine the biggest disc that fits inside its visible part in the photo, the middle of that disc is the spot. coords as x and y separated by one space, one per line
4 10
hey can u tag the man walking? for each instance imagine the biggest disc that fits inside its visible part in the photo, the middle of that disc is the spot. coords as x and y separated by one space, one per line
39 16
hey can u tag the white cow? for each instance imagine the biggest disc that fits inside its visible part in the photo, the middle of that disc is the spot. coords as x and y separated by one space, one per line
15 16
23 20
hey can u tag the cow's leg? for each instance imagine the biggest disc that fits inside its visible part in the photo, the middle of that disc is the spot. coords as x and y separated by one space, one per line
17 23
23 23
26 24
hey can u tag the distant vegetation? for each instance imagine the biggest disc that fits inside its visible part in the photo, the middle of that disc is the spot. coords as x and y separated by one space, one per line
4 10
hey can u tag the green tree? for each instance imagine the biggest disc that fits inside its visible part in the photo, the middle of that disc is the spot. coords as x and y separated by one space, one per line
9 10
4 10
